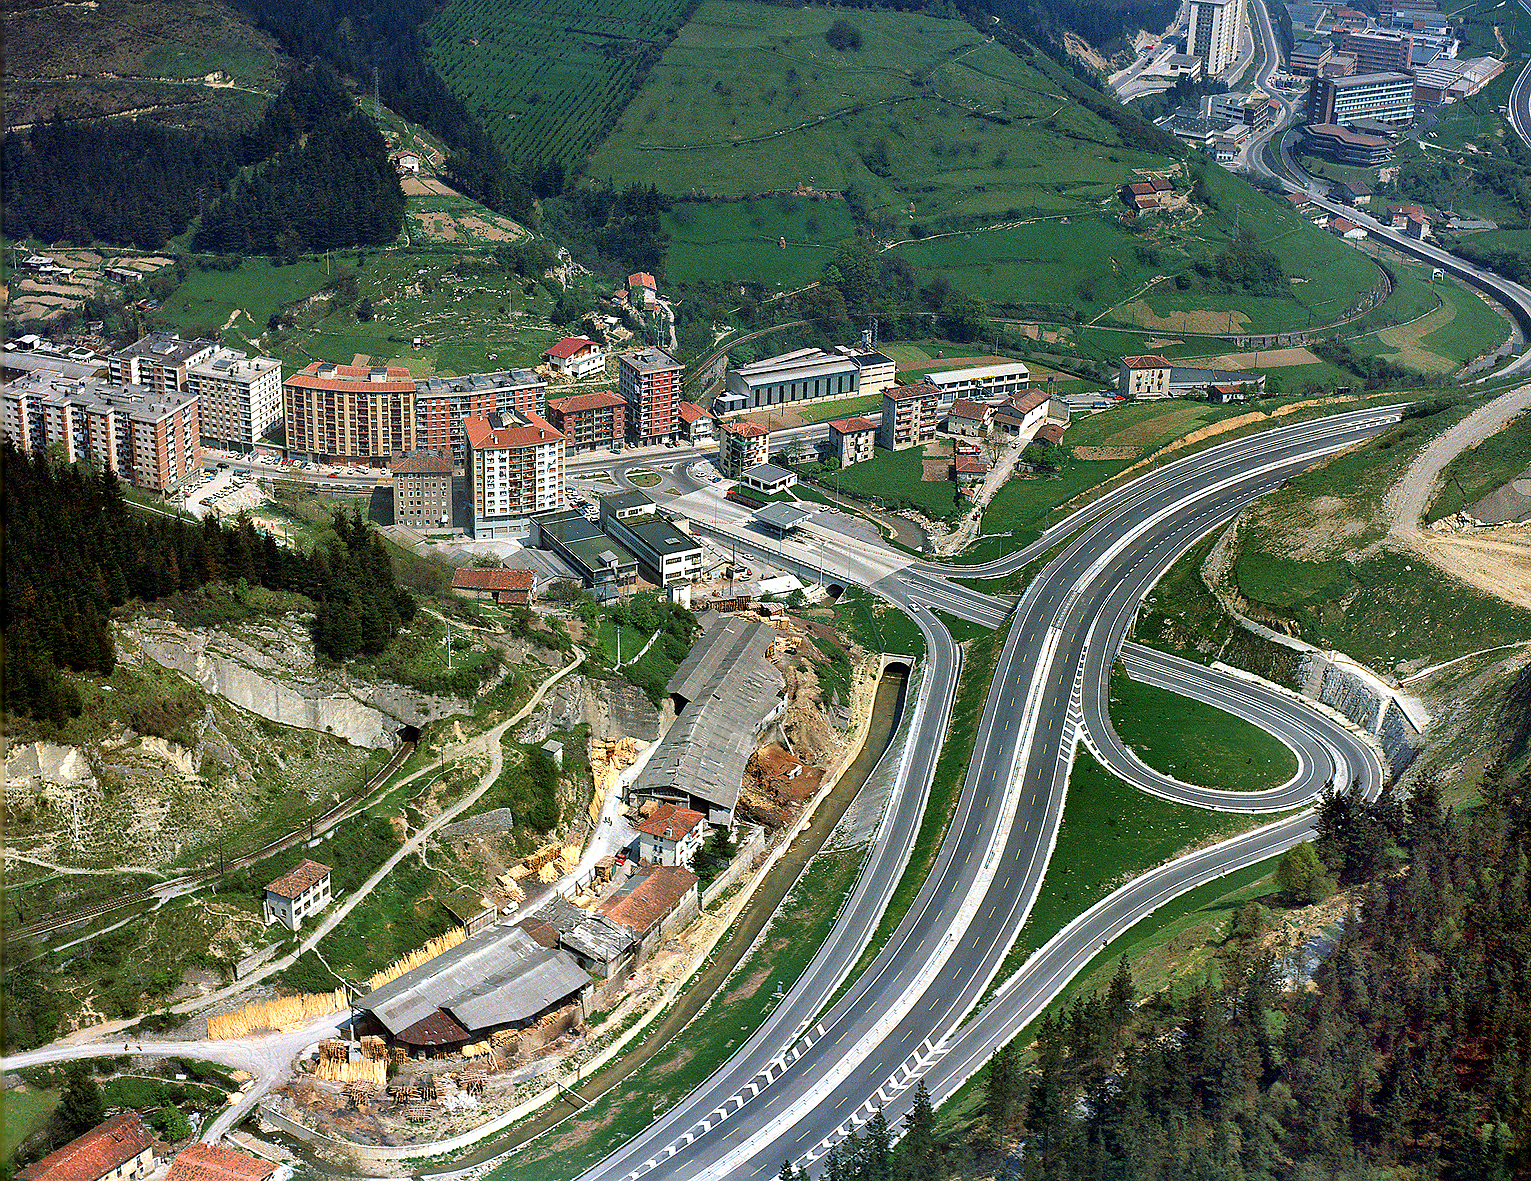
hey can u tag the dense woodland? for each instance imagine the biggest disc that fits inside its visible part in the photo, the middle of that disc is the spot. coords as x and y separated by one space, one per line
76 551
1410 1057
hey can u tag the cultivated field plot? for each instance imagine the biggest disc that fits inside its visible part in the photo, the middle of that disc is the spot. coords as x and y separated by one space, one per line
744 241
751 99
435 212
548 77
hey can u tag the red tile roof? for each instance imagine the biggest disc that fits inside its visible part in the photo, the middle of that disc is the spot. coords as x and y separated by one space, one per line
641 279
971 463
691 412
849 426
914 389
95 1154
1342 225
576 403
353 377
671 822
570 346
1154 362
514 433
419 465
1048 433
1161 184
967 408
475 578
1028 400
745 430
656 895
291 885
208 1162
1145 202
1142 190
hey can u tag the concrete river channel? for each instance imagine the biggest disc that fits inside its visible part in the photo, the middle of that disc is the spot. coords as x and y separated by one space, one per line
887 712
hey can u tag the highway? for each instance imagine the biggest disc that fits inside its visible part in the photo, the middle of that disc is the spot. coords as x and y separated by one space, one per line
794 1096
1520 98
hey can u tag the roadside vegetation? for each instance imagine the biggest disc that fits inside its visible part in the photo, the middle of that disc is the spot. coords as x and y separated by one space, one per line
1483 469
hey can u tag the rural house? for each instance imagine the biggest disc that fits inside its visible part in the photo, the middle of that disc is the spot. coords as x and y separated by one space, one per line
208 1162
672 835
304 891
118 1150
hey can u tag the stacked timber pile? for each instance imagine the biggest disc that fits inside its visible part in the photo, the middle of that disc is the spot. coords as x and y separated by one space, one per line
337 1066
443 942
280 1013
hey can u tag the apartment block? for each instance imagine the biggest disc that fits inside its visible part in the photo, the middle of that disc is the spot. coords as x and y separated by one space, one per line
1378 50
1216 29
852 440
742 445
442 403
159 361
240 397
1143 377
422 490
649 381
350 413
515 467
152 440
910 414
590 422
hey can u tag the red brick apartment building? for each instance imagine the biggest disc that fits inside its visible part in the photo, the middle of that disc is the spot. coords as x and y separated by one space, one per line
649 381
350 413
515 468
589 422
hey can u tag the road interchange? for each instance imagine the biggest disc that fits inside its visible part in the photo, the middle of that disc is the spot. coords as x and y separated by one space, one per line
809 1078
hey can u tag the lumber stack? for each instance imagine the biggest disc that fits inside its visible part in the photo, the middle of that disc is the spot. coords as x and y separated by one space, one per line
276 1013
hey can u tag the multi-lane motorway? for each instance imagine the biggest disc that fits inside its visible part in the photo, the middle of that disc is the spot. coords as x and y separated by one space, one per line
810 1076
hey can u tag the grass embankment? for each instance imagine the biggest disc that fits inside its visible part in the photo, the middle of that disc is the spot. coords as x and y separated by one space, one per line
718 242
737 1009
895 480
1110 834
1431 339
26 1110
1341 585
1485 468
1195 742
876 625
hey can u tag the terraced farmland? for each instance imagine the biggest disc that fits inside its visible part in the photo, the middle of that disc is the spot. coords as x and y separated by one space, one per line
549 78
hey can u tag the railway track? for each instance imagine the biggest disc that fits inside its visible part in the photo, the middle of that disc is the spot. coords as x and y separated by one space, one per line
57 922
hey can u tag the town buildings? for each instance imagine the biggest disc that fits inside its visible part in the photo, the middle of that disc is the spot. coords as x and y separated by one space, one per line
852 440
297 895
983 381
121 1149
349 413
605 566
422 490
649 380
742 445
443 403
1216 29
596 421
969 418
1345 146
910 414
576 356
515 467
1378 50
159 361
667 555
239 397
767 479
149 438
695 424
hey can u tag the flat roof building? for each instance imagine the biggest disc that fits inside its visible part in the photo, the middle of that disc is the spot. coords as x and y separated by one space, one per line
239 397
767 478
1387 97
981 381
606 567
159 361
443 403
1216 28
667 556
650 381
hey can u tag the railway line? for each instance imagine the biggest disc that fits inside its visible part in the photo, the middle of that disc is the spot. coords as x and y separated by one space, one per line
58 922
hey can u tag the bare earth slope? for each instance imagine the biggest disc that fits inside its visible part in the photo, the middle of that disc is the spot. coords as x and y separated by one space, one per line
1498 562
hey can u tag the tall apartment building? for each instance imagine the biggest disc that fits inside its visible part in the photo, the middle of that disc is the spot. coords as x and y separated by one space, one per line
910 414
515 466
152 440
1217 27
350 413
742 445
649 381
590 422
240 396
442 403
1378 50
422 490
1388 98
159 361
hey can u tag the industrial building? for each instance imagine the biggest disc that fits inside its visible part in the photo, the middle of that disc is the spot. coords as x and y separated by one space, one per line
981 381
667 555
605 566
800 376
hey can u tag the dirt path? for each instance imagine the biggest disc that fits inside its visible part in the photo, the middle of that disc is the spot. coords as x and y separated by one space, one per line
1499 563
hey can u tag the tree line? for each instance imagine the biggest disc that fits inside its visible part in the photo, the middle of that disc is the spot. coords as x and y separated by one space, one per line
76 552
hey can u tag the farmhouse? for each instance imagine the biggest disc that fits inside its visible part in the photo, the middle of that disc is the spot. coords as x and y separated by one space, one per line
672 835
293 896
506 587
117 1150
969 418
209 1162
1143 377
653 905
576 356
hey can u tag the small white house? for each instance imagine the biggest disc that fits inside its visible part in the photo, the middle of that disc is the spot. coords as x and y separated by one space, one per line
576 356
767 478
671 836
294 896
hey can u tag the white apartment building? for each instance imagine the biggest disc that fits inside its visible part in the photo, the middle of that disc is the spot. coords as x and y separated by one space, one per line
515 467
1217 27
241 397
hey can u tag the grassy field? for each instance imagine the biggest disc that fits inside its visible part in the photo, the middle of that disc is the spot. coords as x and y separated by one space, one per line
891 476
1473 474
1110 834
742 241
548 78
25 1110
1195 742
1440 326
